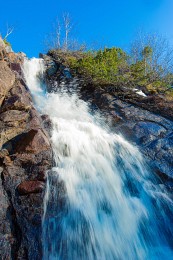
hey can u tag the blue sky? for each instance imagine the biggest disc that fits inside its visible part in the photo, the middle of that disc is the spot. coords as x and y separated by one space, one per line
98 23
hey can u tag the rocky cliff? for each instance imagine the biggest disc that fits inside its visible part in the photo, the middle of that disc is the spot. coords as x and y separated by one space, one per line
25 156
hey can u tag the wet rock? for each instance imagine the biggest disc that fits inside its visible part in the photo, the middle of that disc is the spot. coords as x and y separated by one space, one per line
66 73
47 123
134 118
116 117
51 66
148 131
28 187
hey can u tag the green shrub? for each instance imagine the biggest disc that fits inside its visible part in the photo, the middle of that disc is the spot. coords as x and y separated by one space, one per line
112 66
102 67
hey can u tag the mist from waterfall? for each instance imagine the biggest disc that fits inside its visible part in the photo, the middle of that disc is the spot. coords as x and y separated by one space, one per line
102 202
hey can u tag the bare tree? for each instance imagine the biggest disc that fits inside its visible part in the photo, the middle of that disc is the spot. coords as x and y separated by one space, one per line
160 55
67 27
8 32
61 37
58 35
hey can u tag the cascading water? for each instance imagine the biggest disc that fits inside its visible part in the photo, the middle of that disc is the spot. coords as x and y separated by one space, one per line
101 201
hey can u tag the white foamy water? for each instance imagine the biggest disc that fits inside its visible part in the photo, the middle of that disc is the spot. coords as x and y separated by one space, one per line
32 69
101 202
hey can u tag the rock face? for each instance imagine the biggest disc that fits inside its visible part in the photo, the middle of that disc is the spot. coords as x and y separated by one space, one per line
151 132
25 156
7 79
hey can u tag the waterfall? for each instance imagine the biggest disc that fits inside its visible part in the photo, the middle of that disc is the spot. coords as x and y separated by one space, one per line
102 202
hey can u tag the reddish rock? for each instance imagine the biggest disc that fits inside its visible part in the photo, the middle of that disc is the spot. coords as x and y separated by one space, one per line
27 187
42 176
16 67
34 141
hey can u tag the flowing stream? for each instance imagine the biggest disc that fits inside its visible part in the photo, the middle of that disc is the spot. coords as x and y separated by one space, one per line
101 202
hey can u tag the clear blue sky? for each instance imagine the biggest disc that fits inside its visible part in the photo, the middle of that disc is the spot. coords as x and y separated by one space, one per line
109 22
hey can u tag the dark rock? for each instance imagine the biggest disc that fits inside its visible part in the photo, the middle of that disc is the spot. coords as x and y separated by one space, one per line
146 128
47 123
51 66
134 118
116 117
6 238
67 73
16 67
42 176
28 187
148 131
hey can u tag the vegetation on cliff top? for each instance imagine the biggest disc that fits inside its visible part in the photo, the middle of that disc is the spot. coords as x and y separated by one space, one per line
113 66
